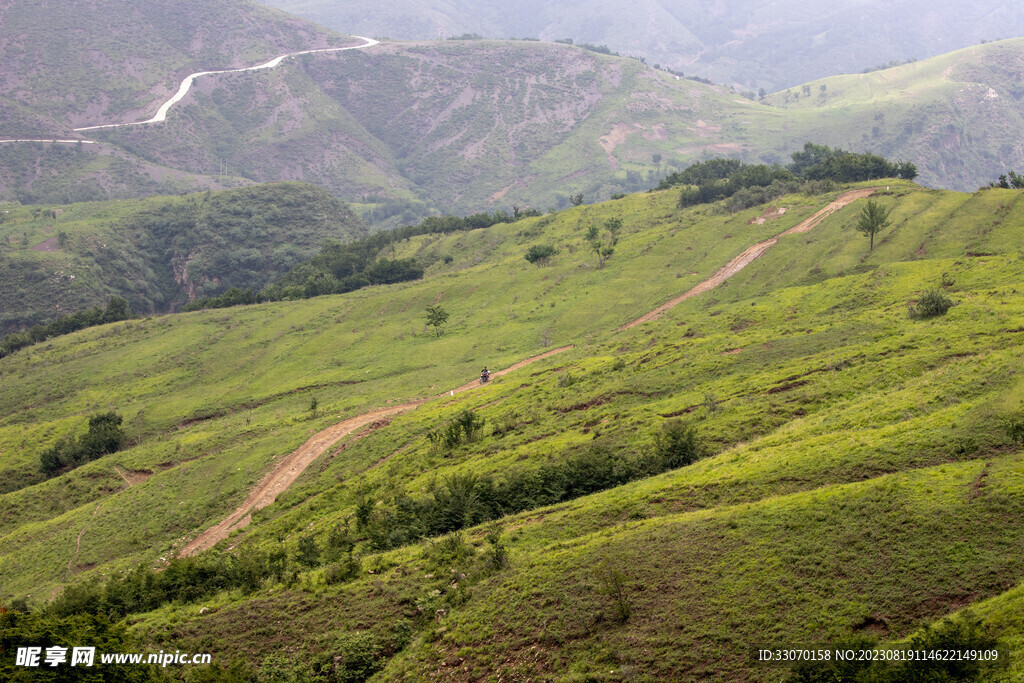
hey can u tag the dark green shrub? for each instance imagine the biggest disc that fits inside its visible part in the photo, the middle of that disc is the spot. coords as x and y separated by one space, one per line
1015 427
933 303
345 570
540 253
677 444
308 552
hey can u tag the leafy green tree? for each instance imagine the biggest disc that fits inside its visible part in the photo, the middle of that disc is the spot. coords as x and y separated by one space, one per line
873 217
117 309
604 245
104 436
539 254
436 317
308 552
576 199
906 170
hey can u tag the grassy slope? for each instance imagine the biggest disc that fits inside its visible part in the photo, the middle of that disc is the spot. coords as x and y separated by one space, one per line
849 438
160 251
954 115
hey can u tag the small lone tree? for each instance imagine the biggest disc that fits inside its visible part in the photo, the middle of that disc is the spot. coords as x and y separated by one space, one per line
873 217
576 199
604 245
436 317
906 170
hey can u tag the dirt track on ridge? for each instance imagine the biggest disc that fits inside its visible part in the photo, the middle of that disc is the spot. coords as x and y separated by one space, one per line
749 255
289 469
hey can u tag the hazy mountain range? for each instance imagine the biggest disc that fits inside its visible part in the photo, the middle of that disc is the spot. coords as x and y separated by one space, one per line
749 43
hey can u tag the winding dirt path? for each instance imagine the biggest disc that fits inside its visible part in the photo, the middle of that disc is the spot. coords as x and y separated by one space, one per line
749 255
289 469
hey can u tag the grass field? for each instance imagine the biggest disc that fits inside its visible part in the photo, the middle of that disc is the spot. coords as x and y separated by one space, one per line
859 477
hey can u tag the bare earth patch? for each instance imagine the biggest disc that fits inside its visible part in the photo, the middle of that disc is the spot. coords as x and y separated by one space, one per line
48 245
771 214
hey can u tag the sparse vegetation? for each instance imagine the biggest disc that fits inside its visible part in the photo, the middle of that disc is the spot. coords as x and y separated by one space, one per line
843 435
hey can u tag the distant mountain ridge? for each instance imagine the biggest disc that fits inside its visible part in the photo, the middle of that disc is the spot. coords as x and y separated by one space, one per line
749 43
405 129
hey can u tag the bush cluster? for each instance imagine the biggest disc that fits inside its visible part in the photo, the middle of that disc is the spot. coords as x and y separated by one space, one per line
345 267
933 304
752 184
117 309
187 579
463 428
464 500
104 436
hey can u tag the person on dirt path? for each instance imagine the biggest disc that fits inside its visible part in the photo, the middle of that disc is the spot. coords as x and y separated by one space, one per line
485 375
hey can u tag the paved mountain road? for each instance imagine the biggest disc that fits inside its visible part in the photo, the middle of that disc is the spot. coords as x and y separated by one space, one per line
186 85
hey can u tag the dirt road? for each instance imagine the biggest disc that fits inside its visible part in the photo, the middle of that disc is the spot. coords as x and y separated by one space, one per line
749 255
289 469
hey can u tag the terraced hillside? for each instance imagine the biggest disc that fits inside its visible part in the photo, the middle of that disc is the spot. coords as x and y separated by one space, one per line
854 475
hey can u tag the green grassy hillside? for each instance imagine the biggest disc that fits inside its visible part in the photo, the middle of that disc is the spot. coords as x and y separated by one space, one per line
161 252
954 115
859 477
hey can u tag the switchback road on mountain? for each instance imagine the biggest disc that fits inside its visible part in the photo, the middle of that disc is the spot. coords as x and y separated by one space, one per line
289 469
161 113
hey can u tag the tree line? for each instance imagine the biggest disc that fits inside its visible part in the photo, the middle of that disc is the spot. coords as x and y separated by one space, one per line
345 267
464 500
117 309
745 185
